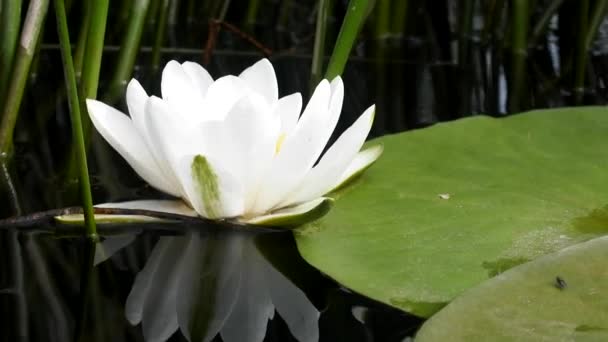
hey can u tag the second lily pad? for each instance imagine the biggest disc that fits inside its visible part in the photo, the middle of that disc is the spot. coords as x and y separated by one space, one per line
559 297
450 206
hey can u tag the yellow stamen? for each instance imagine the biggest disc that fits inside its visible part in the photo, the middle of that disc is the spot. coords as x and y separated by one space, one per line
279 144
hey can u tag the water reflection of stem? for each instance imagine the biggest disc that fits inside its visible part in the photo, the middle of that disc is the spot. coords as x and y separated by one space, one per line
128 50
519 27
14 247
88 289
318 53
77 135
47 289
10 18
353 21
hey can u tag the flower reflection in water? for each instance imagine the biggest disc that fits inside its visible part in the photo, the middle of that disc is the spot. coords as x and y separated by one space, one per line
206 284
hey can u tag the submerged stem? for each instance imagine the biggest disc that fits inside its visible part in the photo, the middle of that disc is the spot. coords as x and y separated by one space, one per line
74 105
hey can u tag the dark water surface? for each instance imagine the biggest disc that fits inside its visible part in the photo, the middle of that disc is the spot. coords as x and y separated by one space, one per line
206 282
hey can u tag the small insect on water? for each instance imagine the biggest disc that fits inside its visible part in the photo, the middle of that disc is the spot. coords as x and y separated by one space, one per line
560 283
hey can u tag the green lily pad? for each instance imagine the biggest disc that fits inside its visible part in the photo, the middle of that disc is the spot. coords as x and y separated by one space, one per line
450 206
558 297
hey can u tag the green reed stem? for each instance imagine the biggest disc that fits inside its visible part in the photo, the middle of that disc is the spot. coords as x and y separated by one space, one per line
383 14
519 28
82 38
541 25
161 33
91 67
74 105
465 26
580 59
252 12
128 49
318 53
284 11
353 21
596 19
94 50
223 10
29 37
588 33
399 19
10 18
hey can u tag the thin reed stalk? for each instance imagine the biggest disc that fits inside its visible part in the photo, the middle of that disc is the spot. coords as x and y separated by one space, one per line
128 49
588 30
160 35
318 54
74 106
34 20
519 27
353 21
10 18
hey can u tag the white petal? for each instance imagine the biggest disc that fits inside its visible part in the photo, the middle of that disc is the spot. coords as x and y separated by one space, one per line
295 215
261 78
324 176
121 134
288 109
337 98
180 93
199 76
171 139
213 192
299 151
245 143
362 161
136 101
222 95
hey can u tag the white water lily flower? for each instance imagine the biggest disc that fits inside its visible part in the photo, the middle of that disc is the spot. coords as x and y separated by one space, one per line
231 148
